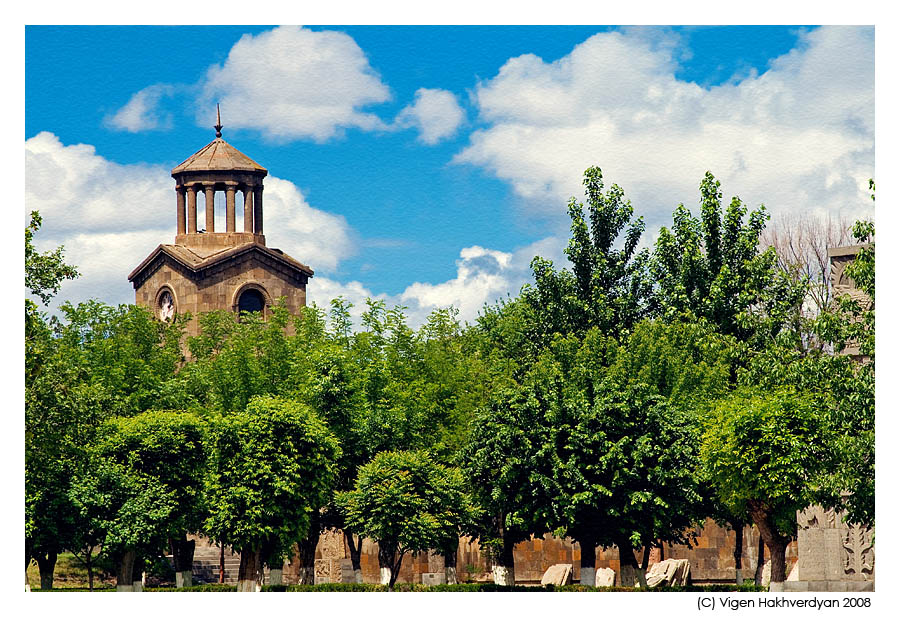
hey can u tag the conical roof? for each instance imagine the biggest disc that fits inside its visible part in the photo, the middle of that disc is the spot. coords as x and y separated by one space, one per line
219 155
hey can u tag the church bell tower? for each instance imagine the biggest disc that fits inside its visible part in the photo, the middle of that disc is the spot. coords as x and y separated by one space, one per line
209 269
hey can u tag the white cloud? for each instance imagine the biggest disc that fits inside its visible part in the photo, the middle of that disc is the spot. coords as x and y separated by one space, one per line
799 136
313 236
141 112
111 216
482 276
293 83
322 290
78 191
435 114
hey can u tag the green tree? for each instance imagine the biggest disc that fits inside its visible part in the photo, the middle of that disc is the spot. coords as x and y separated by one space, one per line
607 287
765 453
142 487
270 467
712 267
408 504
237 358
498 461
48 514
44 272
616 462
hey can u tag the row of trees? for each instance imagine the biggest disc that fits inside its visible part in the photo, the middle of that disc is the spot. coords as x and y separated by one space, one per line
619 402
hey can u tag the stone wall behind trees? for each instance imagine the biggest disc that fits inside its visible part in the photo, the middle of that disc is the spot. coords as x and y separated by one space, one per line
712 559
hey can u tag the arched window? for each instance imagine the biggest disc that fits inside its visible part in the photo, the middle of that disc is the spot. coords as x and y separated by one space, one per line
251 300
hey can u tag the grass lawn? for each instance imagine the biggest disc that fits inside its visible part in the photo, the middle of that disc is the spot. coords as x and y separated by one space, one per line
69 573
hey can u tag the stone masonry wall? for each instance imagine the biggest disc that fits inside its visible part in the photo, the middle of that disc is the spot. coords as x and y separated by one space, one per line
711 559
217 290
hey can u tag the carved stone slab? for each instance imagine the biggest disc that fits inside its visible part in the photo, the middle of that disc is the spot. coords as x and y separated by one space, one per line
606 577
668 573
558 574
830 550
434 578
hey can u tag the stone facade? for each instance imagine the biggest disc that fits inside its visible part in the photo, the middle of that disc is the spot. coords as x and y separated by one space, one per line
711 559
833 556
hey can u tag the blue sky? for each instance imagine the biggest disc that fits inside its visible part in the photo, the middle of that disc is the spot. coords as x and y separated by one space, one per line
428 165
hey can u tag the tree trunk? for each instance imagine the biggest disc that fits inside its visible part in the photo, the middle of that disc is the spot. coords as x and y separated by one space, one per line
505 569
46 561
306 553
628 565
588 562
738 527
355 548
389 563
137 575
250 570
28 550
222 563
450 568
760 561
89 564
183 558
775 541
645 558
124 578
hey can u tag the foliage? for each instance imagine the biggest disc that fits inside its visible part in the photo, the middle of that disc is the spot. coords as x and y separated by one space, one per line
766 451
712 267
607 288
142 482
44 272
407 504
621 466
270 466
236 359
687 361
843 386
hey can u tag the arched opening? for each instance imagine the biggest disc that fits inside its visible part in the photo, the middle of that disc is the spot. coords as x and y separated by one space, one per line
165 304
251 300
219 208
202 207
239 210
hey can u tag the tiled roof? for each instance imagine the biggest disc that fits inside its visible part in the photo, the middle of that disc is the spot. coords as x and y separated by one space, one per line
218 155
198 262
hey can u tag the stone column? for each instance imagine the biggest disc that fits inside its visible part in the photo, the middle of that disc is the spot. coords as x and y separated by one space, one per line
179 199
257 209
229 206
192 209
210 207
248 209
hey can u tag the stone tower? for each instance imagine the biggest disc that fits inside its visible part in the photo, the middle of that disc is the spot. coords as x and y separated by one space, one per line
206 269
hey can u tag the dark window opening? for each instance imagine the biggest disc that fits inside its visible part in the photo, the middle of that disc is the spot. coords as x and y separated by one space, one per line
251 301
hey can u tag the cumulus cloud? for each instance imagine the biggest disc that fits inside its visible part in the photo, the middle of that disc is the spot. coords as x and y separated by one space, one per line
312 236
111 216
141 112
798 136
482 276
435 114
79 191
293 83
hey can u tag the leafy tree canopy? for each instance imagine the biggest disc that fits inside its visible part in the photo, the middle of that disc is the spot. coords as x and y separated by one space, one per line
607 287
270 466
713 268
408 504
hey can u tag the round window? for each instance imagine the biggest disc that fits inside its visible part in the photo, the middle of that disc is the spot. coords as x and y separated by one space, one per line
251 301
166 306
